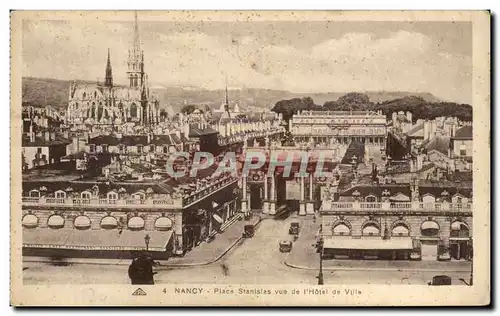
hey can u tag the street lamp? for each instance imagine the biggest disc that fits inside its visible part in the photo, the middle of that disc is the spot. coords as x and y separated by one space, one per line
320 274
146 240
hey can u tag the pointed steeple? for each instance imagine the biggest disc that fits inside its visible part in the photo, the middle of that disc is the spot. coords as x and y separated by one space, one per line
137 41
135 71
108 82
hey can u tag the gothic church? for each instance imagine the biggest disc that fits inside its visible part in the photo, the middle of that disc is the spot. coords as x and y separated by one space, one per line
110 104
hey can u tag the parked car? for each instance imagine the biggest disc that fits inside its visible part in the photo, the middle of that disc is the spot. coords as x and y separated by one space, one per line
294 228
285 246
248 231
415 255
440 280
444 256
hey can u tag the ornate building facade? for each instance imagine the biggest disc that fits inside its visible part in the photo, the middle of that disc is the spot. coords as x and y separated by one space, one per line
110 104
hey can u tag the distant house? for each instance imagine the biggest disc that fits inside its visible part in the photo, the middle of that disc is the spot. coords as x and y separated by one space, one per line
39 151
462 149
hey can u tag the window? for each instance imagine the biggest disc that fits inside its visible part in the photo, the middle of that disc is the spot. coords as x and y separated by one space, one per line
463 150
39 150
85 195
104 148
60 194
92 148
35 193
122 148
112 196
139 148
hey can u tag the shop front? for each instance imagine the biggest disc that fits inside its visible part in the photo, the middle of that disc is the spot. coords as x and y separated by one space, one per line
460 245
367 248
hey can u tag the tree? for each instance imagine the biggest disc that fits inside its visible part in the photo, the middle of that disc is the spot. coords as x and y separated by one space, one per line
188 109
290 107
352 101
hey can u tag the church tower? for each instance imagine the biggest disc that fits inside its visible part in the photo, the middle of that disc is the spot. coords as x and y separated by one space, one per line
135 64
108 81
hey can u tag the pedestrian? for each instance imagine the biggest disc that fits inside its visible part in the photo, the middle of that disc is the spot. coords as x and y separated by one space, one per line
140 270
225 269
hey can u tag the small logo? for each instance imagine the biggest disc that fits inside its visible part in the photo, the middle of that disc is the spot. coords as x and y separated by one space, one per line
139 291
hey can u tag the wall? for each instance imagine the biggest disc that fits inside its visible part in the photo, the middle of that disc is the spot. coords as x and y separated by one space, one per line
30 153
457 145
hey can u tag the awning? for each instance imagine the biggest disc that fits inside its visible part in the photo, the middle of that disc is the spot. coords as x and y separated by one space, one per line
109 222
400 230
56 221
371 229
341 229
96 240
459 226
30 221
82 222
368 243
163 223
429 225
136 223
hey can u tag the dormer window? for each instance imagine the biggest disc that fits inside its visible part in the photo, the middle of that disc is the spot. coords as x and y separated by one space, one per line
86 195
35 193
112 195
60 194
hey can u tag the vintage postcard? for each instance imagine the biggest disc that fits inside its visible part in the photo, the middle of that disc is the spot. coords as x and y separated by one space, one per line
241 158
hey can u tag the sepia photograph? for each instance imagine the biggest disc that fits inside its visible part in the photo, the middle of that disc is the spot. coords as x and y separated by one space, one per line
252 157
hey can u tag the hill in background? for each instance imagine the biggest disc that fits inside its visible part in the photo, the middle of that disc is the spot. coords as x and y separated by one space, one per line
54 92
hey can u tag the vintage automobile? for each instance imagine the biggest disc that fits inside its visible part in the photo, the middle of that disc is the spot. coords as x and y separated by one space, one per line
445 256
285 246
415 255
294 228
248 231
440 280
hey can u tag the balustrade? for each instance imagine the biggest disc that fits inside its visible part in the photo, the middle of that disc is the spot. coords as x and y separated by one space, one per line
208 188
405 206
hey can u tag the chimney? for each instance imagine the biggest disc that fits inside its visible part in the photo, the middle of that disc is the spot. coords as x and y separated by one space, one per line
186 130
47 136
76 144
149 138
426 130
409 116
453 130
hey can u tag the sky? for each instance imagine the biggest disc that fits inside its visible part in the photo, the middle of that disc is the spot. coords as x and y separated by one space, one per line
297 56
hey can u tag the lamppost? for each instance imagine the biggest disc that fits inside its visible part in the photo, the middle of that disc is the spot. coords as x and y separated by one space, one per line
146 240
320 274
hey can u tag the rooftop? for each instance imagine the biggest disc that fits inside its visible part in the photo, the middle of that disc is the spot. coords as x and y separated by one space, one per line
464 132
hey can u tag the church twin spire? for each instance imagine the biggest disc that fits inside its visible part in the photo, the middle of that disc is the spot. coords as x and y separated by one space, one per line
135 63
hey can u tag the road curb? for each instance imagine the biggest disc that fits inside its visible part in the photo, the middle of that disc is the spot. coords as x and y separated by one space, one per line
291 265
